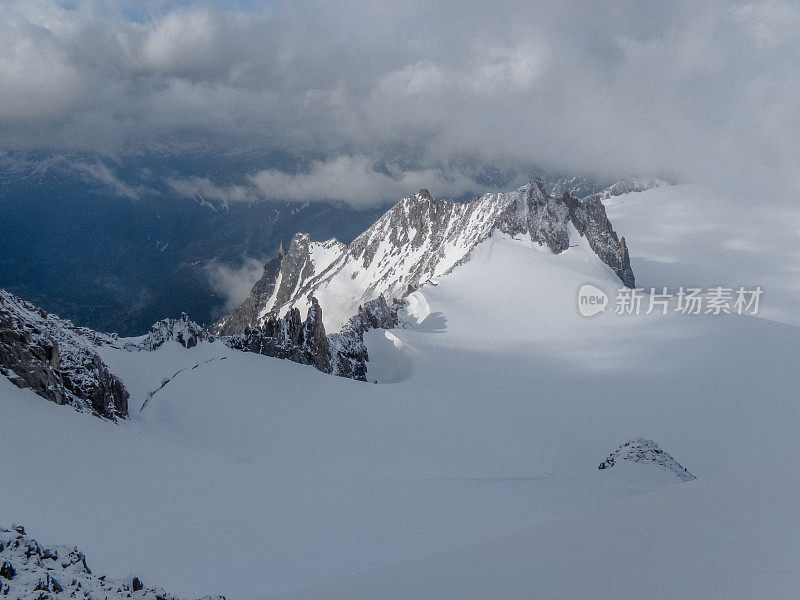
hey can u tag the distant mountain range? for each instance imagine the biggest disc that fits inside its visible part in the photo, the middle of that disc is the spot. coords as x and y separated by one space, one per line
116 246
421 238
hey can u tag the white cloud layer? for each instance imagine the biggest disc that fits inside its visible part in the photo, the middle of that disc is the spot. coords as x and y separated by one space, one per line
355 180
691 90
191 187
100 172
233 284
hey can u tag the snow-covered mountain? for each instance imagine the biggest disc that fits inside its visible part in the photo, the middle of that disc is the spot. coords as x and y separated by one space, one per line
417 240
470 470
627 186
576 186
185 332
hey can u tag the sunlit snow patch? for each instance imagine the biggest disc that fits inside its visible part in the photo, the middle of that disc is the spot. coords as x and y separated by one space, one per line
416 310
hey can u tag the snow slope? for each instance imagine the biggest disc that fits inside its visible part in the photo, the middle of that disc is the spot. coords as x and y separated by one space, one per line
722 538
471 471
688 235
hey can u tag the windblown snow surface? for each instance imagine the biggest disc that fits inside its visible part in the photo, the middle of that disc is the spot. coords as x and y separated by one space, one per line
469 471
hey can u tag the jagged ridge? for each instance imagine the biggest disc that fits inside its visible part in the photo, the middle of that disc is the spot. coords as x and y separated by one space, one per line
416 240
343 354
184 331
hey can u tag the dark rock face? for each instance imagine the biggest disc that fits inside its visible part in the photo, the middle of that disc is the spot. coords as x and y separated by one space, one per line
305 342
590 220
31 571
57 360
33 364
349 354
545 219
315 339
184 331
641 450
532 211
289 338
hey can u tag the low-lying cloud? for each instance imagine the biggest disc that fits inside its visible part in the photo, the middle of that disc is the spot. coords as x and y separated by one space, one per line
357 181
99 172
233 284
204 187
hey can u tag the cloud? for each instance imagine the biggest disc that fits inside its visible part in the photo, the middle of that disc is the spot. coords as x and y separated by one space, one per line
101 173
191 187
688 90
179 44
233 284
38 82
357 181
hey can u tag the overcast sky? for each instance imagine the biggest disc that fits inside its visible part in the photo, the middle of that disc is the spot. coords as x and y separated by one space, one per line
694 91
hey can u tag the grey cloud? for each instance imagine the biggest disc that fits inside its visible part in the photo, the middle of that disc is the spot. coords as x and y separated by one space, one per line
696 91
355 180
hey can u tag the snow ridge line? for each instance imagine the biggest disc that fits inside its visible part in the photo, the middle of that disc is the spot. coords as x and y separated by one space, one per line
178 372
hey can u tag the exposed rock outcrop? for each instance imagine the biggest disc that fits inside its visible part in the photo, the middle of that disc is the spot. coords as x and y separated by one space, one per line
306 342
349 354
289 338
416 240
641 450
590 220
183 331
57 360
315 339
30 571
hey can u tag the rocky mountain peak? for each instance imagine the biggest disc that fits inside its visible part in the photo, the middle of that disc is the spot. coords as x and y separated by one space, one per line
283 276
183 331
420 238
